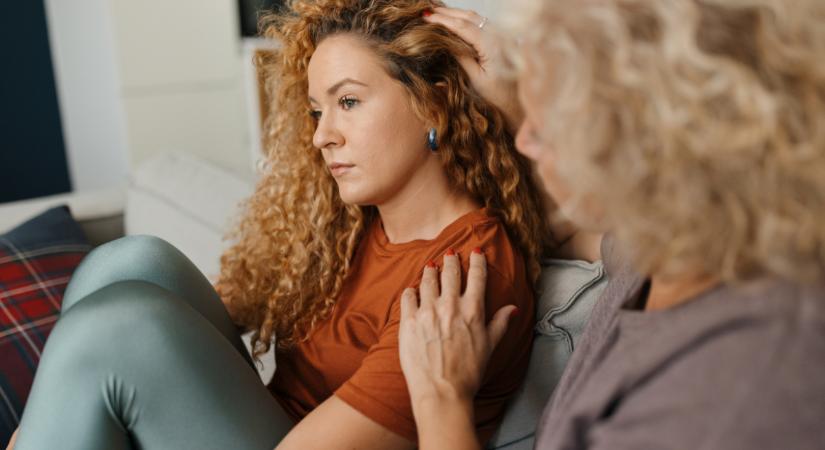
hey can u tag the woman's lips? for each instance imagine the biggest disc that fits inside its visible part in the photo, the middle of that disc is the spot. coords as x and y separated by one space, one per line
339 169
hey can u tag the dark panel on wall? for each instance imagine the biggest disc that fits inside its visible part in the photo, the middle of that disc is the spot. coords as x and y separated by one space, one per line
32 152
250 11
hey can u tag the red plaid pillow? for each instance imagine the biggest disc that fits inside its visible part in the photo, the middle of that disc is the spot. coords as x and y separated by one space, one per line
37 260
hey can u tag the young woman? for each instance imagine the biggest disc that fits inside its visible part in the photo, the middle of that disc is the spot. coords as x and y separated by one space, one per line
693 132
381 159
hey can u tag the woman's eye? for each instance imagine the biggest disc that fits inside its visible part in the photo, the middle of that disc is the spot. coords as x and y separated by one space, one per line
348 102
315 114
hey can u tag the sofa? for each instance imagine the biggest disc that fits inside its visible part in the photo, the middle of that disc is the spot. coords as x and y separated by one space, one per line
190 203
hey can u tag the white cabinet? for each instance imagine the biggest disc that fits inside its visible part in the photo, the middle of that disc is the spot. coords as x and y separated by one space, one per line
176 44
181 79
89 92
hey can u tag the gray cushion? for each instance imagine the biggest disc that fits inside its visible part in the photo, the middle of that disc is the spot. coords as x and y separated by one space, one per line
567 292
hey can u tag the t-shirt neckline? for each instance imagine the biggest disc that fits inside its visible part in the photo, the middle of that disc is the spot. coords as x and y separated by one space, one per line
383 242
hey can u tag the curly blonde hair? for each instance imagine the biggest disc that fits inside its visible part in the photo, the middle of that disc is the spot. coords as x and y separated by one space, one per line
698 125
295 241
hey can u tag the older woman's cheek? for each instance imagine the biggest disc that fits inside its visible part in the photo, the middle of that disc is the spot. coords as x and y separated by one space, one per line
546 168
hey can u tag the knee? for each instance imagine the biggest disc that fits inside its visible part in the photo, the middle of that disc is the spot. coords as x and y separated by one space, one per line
134 248
139 257
122 328
120 314
128 253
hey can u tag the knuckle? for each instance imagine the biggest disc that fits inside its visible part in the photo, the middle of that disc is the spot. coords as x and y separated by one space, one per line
446 314
452 299
429 283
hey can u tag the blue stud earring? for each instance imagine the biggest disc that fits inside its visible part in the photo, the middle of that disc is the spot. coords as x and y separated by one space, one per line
432 140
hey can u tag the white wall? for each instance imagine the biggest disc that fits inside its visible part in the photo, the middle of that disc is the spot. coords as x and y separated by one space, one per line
135 78
484 7
182 79
86 75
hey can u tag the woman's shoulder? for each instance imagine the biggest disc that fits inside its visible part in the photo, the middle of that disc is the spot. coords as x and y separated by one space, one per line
734 326
483 230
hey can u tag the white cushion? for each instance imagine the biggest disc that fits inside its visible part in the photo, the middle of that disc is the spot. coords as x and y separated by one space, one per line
187 201
87 205
566 295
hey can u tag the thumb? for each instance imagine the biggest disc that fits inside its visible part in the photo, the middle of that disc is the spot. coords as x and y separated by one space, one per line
498 326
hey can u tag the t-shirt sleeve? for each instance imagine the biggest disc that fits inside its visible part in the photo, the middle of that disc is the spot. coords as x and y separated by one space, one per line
378 389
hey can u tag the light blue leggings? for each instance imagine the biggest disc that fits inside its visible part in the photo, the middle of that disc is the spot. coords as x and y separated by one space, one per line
144 356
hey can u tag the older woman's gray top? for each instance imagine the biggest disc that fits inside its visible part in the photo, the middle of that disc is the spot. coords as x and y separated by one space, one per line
739 367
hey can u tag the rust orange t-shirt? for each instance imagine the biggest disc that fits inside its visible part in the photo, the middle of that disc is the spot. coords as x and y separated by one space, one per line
354 353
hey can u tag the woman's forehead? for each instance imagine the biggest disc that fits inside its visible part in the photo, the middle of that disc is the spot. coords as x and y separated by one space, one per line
343 56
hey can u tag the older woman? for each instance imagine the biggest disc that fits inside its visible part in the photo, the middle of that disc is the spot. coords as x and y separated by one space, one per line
694 133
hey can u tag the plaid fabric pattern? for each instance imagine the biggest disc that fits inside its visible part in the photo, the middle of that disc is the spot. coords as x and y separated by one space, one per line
37 260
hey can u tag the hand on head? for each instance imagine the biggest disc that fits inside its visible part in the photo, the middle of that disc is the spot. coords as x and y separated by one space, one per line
472 27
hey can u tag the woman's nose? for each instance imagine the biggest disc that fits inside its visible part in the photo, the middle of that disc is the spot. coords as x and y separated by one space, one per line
326 135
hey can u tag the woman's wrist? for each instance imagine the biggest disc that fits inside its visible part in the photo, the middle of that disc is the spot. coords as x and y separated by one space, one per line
438 398
435 393
445 421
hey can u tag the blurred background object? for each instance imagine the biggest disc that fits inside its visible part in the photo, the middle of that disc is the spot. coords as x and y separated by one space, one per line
29 117
250 10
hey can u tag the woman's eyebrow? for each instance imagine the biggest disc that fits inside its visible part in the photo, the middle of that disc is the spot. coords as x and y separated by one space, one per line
335 87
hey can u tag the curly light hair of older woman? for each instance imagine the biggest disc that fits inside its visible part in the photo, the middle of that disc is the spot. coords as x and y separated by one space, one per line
296 240
698 125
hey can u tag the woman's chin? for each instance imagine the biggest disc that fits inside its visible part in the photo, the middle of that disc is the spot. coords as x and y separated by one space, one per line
355 198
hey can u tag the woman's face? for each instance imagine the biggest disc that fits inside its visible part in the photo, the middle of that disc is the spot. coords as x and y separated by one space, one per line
531 143
370 138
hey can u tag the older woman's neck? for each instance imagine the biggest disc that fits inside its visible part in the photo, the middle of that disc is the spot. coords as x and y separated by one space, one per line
672 291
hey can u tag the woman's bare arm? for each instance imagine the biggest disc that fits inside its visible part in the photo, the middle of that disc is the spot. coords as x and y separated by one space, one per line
446 423
335 424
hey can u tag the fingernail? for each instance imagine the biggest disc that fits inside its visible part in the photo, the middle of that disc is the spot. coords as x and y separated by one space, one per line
431 265
478 250
515 312
450 252
427 13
